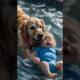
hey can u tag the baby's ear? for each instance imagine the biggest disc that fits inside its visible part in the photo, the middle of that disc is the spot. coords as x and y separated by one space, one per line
43 24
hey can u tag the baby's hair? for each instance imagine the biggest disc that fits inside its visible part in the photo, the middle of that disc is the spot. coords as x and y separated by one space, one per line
49 34
71 24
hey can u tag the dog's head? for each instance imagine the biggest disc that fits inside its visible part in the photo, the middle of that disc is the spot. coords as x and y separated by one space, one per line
31 27
71 41
35 28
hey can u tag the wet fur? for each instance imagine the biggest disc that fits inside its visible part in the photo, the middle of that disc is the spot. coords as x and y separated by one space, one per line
24 22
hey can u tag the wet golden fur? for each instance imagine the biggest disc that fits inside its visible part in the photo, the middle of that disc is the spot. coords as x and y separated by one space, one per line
25 33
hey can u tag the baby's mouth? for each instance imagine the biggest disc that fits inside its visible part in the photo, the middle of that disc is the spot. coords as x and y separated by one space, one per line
47 43
67 52
66 56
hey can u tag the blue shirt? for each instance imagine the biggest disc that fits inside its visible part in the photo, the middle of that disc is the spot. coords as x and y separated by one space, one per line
47 54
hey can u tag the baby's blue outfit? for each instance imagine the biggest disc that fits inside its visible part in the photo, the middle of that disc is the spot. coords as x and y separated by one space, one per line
49 55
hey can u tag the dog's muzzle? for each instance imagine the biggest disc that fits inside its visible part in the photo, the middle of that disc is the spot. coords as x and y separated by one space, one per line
40 37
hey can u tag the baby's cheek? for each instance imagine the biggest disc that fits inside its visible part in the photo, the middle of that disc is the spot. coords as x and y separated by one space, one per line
44 44
54 44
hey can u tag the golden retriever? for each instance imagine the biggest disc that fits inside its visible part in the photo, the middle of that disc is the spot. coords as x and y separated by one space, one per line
30 30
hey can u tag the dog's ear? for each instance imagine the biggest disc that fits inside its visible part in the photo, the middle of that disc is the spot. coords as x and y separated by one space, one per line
43 24
26 27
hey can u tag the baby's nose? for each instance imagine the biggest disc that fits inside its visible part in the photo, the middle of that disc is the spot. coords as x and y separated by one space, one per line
48 41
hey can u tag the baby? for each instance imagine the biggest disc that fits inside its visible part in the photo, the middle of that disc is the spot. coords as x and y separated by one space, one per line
46 56
71 40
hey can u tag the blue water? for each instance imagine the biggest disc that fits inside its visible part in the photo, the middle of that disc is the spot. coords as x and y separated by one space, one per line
54 23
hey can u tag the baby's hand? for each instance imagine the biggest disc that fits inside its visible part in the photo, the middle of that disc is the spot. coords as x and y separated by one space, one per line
36 60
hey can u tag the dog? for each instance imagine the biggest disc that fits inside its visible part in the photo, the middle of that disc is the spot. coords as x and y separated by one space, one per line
71 40
30 30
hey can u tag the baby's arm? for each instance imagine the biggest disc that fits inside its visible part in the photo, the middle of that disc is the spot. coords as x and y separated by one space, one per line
35 59
61 51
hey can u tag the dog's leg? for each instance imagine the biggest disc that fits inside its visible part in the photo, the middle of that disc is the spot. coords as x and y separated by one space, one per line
21 43
27 53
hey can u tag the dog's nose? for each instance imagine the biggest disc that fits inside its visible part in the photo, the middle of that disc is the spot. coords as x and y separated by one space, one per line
40 36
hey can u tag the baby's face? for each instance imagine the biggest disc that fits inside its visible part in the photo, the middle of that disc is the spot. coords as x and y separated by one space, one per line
48 42
71 43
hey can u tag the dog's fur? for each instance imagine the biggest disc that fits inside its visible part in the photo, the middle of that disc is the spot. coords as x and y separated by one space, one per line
30 30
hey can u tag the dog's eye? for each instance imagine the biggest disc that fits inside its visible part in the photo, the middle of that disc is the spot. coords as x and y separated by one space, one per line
40 26
32 27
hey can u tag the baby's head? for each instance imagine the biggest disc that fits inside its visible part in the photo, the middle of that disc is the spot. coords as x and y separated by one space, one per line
71 40
49 40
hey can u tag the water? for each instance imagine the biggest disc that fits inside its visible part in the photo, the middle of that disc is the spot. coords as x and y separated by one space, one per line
54 23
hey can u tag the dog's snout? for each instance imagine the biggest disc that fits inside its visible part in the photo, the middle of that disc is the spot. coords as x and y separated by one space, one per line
40 36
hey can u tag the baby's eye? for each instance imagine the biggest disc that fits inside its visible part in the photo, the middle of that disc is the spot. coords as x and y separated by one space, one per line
50 39
32 27
72 39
